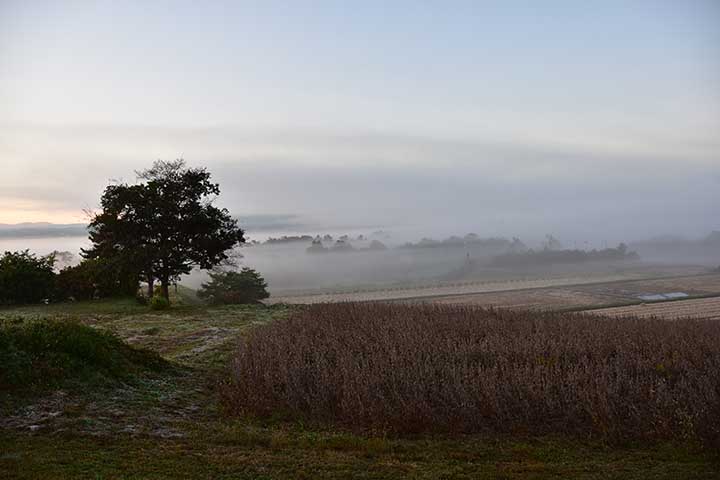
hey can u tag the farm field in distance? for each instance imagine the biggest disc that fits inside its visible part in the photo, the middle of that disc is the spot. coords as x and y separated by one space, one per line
700 308
592 290
594 296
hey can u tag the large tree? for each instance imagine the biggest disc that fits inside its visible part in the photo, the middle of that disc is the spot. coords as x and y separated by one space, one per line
120 234
164 225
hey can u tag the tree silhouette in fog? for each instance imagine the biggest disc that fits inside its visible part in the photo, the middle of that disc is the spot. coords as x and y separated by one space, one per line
165 225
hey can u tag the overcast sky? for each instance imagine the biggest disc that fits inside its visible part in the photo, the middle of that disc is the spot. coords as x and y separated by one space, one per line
499 117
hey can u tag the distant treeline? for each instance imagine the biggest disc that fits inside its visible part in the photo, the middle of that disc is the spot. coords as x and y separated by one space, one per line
343 245
306 238
42 230
547 256
288 239
471 239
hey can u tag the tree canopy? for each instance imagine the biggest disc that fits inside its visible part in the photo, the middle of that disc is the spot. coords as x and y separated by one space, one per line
164 225
25 277
245 286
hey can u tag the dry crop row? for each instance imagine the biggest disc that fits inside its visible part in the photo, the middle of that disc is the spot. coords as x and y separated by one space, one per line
701 308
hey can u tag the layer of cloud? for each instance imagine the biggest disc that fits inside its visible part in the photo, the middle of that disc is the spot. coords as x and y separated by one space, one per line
378 179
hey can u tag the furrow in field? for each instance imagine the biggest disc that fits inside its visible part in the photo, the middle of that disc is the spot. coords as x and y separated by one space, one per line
702 308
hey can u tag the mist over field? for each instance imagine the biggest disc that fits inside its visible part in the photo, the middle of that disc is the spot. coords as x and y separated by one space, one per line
289 268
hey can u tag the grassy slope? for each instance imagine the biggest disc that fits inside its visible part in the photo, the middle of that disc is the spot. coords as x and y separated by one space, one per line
169 426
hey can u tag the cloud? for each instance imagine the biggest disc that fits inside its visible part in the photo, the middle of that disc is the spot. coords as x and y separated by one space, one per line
373 178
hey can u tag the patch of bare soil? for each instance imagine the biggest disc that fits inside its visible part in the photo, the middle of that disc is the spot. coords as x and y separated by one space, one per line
692 285
529 299
700 308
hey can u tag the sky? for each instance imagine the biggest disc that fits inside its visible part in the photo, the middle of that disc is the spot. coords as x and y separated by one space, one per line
577 118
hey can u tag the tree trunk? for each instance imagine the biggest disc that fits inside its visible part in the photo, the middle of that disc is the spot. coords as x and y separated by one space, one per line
165 287
151 287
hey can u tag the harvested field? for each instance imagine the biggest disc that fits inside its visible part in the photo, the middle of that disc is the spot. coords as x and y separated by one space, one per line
448 289
589 295
700 308
537 293
690 284
539 298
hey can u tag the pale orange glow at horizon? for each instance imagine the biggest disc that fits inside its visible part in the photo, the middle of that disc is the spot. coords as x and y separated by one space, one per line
19 211
39 216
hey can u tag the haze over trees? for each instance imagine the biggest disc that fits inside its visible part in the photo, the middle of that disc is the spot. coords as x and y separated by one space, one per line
549 256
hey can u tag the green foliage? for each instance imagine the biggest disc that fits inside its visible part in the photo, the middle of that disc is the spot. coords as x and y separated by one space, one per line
45 353
25 277
158 302
164 227
96 278
246 286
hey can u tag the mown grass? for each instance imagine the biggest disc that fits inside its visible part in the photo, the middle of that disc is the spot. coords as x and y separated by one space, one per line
170 425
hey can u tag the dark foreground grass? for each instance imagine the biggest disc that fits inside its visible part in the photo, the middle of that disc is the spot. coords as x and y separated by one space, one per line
428 368
231 450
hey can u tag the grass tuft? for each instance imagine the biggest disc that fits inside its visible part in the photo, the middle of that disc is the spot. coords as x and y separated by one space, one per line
46 353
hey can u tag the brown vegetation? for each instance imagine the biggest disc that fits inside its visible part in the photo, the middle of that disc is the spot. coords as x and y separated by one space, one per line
411 368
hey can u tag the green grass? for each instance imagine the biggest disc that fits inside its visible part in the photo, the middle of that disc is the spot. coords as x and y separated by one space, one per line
235 452
45 353
169 425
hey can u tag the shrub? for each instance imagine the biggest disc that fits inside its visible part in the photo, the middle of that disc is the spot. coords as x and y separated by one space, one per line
25 278
47 353
403 368
95 278
246 286
77 282
158 302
